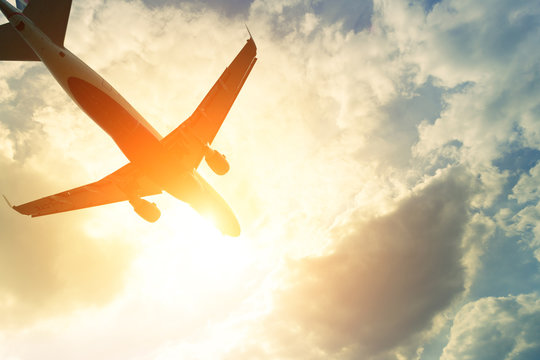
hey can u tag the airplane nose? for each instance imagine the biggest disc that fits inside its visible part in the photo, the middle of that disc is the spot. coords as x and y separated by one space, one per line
7 9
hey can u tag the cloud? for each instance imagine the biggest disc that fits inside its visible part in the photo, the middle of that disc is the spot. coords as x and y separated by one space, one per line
6 143
488 50
461 41
354 15
5 94
383 282
230 8
521 218
52 267
526 189
332 122
496 328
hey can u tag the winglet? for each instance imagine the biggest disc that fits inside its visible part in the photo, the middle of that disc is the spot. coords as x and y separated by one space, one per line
7 201
11 206
249 32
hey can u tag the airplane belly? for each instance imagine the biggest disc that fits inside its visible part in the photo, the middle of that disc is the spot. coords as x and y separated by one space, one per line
131 132
134 139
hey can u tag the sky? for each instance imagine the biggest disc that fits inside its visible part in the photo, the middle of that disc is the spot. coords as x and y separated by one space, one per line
384 169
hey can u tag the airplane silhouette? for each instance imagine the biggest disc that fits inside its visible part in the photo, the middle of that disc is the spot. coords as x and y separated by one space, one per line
36 32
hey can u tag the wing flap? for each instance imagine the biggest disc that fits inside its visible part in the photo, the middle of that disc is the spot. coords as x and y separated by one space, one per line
108 190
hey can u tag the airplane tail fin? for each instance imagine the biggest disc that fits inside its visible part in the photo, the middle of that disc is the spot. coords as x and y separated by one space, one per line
51 16
13 47
21 4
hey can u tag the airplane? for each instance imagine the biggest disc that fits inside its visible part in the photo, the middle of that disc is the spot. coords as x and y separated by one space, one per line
36 32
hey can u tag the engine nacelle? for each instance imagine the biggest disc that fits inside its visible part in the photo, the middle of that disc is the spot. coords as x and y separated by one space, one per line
217 162
145 209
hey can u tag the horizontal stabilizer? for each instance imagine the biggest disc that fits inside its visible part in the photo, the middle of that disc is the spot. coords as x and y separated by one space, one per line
13 47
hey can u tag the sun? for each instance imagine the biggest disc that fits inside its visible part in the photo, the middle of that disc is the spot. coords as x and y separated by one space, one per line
183 252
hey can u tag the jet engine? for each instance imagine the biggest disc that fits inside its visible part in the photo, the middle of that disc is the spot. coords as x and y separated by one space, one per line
217 161
145 209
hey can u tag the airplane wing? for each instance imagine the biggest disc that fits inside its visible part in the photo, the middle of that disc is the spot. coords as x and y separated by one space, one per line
105 191
205 122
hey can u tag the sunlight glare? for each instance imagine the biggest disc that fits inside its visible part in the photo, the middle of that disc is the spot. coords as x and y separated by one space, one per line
188 255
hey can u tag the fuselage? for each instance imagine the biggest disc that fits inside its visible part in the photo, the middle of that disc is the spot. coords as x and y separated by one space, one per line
95 96
135 137
170 162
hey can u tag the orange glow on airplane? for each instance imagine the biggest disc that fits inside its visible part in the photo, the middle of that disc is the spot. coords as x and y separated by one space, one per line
36 32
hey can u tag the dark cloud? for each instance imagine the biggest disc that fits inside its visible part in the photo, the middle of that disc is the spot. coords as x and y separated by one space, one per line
383 283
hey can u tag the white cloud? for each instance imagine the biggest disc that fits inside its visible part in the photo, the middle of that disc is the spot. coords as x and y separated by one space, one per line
5 93
477 234
524 221
311 142
490 48
527 188
6 143
496 328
